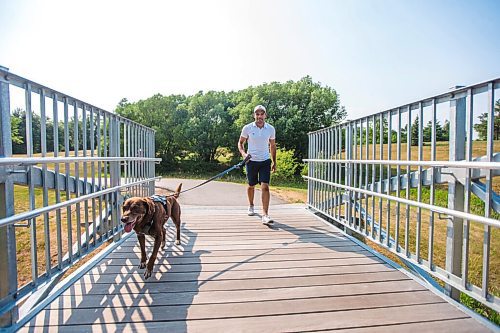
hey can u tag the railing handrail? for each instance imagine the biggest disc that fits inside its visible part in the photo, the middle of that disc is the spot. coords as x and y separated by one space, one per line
26 161
436 164
436 209
40 211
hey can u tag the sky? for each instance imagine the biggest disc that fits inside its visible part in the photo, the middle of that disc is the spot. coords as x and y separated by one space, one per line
377 54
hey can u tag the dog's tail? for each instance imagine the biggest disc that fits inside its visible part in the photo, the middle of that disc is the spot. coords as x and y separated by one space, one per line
178 191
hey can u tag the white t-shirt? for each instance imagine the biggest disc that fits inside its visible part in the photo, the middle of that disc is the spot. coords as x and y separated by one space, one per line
258 140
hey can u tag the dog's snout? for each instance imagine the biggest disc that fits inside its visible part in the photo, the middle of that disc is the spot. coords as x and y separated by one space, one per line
124 219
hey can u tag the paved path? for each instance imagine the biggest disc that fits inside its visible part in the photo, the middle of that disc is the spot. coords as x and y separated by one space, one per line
212 194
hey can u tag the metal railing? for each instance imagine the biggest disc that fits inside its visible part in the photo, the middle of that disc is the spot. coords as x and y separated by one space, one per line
421 181
65 166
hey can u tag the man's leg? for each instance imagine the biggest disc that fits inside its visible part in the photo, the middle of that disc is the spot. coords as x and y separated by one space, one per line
252 180
264 178
250 194
265 198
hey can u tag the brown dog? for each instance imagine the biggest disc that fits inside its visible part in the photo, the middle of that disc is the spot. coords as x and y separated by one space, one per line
147 217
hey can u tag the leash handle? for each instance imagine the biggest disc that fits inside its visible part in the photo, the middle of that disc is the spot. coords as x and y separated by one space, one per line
245 161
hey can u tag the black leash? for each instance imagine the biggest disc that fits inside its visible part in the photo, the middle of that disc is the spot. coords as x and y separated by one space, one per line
223 173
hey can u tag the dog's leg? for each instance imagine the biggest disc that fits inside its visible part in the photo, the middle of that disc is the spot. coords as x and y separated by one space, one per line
177 222
152 259
164 238
144 257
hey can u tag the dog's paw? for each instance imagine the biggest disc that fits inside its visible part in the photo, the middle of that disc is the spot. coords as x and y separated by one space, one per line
177 242
147 273
142 265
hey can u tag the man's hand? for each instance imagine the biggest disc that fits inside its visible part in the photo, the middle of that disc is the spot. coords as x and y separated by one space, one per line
273 167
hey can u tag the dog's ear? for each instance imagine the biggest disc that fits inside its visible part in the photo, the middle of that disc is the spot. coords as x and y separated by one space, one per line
150 205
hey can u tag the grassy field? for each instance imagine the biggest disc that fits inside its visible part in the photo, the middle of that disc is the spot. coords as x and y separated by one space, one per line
23 234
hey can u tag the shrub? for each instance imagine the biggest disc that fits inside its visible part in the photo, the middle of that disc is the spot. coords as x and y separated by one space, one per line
287 165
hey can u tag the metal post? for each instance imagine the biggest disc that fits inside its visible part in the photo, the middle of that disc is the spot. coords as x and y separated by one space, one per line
8 264
455 194
114 170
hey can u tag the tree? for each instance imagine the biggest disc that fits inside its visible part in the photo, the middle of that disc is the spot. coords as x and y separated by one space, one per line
428 132
198 127
167 117
15 123
482 126
445 134
414 132
208 124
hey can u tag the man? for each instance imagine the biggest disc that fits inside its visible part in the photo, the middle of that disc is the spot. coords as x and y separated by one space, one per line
261 138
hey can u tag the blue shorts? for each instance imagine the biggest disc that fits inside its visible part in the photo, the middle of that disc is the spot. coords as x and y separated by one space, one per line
258 172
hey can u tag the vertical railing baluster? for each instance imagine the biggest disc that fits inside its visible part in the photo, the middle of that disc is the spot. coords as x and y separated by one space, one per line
85 175
76 143
374 172
335 171
488 188
398 183
432 187
45 188
454 234
67 180
389 174
101 222
31 184
57 185
367 171
93 128
467 189
348 174
8 262
329 171
381 177
408 183
354 173
105 150
342 170
419 184
309 168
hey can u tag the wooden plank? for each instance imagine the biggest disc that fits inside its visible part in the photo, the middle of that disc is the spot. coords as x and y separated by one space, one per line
194 246
137 285
460 325
238 266
347 249
136 274
128 259
304 321
230 295
232 309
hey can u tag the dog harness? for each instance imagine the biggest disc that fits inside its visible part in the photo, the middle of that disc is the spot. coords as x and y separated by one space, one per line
156 198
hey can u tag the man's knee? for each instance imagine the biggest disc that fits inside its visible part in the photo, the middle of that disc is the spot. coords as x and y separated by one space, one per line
265 187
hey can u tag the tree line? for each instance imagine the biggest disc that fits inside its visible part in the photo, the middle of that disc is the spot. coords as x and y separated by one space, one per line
204 126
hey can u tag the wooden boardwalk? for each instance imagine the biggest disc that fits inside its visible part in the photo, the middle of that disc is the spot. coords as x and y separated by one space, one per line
232 274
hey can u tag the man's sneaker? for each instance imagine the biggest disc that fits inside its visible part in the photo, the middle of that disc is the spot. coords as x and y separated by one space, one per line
251 211
266 219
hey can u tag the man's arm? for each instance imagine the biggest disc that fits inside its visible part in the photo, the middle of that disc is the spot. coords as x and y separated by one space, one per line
272 145
241 146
